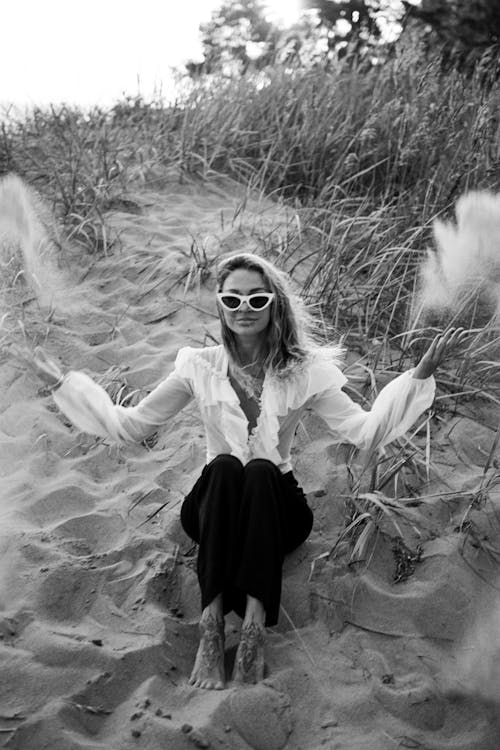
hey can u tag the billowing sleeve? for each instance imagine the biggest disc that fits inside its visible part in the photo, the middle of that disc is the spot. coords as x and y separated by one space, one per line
89 407
394 411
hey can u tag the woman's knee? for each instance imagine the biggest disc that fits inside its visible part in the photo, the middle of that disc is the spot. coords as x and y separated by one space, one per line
225 463
259 466
261 462
222 478
225 458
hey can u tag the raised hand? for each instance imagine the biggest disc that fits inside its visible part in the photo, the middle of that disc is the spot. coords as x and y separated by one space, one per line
438 350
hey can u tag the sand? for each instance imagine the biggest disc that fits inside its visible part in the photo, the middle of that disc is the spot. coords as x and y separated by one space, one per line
98 593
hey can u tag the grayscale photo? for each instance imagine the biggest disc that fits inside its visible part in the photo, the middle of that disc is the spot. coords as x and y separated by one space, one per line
249 386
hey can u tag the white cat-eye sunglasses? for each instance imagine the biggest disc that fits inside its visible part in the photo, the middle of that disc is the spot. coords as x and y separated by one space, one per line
256 302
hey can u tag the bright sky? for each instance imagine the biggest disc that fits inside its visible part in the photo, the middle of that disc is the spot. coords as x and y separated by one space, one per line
93 52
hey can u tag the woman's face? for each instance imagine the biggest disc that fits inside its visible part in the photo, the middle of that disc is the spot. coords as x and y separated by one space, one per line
246 323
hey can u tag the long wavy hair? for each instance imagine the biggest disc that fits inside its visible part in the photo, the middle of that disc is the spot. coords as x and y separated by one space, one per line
290 337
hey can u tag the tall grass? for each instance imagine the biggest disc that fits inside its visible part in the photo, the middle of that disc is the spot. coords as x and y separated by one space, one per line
365 158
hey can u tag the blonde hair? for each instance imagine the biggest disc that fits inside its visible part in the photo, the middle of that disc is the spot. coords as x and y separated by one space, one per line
290 335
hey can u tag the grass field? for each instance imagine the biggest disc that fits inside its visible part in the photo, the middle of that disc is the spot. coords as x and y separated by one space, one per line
366 159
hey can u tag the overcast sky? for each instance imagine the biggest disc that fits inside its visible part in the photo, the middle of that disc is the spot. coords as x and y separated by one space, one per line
98 50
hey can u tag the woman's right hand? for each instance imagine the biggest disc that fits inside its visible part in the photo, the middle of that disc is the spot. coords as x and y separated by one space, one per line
46 368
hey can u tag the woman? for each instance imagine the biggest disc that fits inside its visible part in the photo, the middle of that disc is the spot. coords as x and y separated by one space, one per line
246 510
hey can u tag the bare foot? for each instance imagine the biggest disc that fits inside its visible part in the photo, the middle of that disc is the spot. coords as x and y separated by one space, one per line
249 661
208 670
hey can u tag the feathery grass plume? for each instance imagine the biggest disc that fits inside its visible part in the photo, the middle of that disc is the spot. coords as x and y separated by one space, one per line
462 275
28 242
475 669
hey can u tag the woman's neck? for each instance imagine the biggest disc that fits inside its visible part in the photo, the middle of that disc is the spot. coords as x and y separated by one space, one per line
249 351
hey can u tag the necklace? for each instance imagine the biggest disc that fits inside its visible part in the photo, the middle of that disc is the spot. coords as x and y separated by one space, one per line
249 379
254 370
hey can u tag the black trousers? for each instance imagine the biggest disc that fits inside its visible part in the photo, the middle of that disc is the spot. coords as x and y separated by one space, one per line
245 519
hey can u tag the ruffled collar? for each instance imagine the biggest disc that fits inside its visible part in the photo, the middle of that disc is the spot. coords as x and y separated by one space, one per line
208 369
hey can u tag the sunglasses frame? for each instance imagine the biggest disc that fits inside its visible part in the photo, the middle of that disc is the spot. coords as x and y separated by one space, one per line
245 298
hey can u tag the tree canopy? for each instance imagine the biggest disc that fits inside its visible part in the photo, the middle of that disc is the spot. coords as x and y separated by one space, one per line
466 29
240 35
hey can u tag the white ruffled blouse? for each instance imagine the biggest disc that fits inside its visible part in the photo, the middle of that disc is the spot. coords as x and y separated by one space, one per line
202 374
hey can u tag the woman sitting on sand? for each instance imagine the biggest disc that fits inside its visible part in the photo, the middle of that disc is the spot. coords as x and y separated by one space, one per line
246 510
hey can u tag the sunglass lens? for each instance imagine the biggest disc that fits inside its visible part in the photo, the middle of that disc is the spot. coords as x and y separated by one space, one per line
232 303
258 302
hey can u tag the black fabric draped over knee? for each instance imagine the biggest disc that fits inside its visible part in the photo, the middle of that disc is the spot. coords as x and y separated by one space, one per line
245 519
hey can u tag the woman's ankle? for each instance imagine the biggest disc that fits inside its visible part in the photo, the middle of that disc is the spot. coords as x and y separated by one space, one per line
254 613
213 611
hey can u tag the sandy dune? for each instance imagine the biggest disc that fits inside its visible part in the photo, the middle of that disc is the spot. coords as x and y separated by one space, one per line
98 593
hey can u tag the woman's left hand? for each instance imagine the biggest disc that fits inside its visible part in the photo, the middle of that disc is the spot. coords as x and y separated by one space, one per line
437 351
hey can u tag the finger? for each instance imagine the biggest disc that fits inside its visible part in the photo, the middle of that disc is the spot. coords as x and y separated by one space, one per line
455 331
444 341
451 333
439 344
451 336
433 344
447 341
456 337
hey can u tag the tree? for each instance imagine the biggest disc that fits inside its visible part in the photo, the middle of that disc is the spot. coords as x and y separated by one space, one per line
238 35
365 26
354 16
468 30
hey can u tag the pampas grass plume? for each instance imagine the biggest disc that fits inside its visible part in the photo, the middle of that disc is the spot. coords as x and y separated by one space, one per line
28 239
475 669
466 262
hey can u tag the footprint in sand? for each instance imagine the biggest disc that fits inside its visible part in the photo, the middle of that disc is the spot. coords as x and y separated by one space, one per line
67 593
263 717
413 698
92 533
59 504
173 586
471 441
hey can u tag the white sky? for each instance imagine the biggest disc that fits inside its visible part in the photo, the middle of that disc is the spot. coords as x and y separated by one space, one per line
95 51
